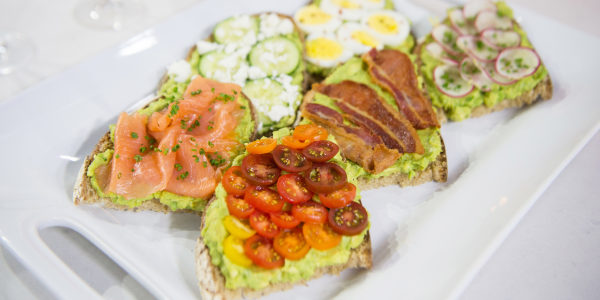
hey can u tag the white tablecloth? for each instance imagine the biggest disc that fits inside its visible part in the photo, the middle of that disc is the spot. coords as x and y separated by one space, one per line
552 253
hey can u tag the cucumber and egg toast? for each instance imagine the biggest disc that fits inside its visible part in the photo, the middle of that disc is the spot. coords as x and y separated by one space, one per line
262 53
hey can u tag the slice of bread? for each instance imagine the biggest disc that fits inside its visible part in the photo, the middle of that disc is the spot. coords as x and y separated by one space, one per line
212 282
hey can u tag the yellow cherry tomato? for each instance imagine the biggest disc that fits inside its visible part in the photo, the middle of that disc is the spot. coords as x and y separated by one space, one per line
238 228
233 247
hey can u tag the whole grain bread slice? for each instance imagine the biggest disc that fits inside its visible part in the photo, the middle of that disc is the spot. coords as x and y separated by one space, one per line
212 282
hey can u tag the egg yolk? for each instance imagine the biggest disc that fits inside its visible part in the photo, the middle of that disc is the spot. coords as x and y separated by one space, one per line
365 38
346 4
323 48
313 15
383 24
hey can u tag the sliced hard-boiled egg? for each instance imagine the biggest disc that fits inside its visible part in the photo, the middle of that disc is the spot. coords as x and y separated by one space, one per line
325 50
311 19
357 38
390 27
345 9
372 4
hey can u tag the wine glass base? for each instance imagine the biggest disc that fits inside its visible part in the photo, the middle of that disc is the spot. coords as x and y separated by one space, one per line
15 50
109 14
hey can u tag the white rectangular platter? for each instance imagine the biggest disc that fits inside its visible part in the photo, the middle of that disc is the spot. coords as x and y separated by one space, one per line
428 241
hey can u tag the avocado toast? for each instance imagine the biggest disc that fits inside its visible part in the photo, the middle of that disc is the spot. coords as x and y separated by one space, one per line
262 53
479 60
386 128
168 155
269 229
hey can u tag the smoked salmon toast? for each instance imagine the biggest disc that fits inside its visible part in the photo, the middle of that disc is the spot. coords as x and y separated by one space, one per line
170 154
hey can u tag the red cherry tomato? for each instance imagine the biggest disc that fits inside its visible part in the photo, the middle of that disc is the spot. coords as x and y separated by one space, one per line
290 160
325 177
239 207
284 219
291 244
260 169
292 188
339 198
310 212
321 151
261 252
348 220
264 199
233 181
263 225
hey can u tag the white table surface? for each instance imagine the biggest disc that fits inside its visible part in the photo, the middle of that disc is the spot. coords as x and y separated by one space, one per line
552 254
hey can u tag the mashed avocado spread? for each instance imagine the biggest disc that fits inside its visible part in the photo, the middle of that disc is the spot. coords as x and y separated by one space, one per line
214 233
411 163
175 202
458 109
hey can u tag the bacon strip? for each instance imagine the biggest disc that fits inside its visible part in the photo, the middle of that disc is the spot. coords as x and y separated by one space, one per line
394 71
395 131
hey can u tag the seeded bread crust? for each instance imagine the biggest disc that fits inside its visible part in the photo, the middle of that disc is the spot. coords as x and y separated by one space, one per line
212 283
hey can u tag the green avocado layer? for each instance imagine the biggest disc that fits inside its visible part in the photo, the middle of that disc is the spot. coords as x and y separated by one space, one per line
175 202
214 233
458 109
411 163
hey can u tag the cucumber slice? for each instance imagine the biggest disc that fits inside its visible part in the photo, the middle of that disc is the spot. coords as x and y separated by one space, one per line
237 30
270 99
276 55
225 67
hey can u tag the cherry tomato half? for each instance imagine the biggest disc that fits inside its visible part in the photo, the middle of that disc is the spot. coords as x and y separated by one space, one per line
325 177
320 236
339 198
290 160
310 212
233 181
264 199
292 188
260 169
239 207
310 132
260 251
321 151
264 145
295 143
263 225
291 244
348 220
284 219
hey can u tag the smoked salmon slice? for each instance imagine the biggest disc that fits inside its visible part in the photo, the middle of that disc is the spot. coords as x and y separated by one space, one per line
180 149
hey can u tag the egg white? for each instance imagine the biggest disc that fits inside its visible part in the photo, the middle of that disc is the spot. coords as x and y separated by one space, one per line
372 4
328 26
392 39
343 56
345 35
337 8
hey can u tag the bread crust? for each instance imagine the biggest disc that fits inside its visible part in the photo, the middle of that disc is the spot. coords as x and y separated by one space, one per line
212 283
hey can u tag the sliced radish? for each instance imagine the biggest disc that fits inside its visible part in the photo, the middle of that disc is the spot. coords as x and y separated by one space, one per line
446 37
459 22
470 71
476 48
501 38
438 53
517 62
448 81
490 70
490 19
472 8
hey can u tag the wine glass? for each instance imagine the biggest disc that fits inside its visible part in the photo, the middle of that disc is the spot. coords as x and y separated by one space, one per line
15 50
109 14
